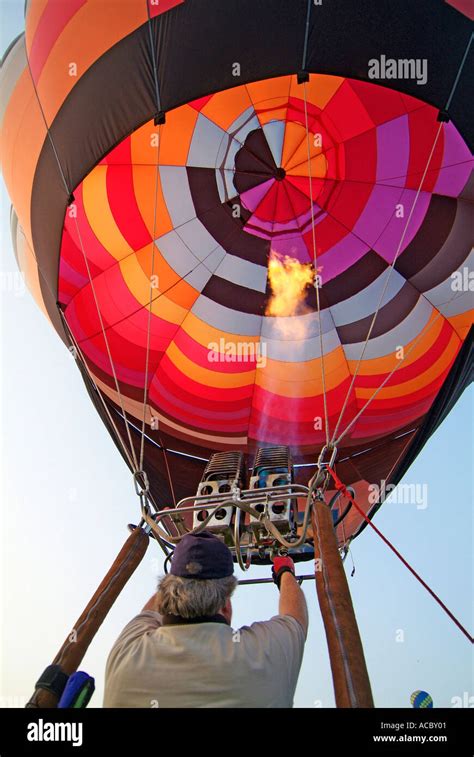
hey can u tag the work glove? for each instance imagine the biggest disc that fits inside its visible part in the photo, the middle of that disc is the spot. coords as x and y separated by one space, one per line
282 565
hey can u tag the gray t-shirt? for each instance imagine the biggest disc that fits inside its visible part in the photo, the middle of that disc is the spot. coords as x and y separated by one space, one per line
204 664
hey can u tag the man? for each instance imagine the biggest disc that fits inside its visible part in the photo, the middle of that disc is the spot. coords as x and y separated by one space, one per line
181 650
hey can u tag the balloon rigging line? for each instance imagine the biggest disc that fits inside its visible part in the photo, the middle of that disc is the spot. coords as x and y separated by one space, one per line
69 194
168 471
145 391
316 282
387 378
157 297
155 69
147 357
387 279
112 365
426 329
155 210
99 391
306 35
458 75
43 116
391 268
133 464
340 486
145 388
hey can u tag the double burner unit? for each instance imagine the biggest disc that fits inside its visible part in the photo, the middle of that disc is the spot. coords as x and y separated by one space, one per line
254 511
225 473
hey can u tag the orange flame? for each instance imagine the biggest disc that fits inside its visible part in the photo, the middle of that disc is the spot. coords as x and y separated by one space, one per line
289 280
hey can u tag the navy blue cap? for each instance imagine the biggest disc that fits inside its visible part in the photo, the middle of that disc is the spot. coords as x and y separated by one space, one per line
202 556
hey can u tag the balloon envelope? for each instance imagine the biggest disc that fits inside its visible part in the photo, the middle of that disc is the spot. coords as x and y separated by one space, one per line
341 174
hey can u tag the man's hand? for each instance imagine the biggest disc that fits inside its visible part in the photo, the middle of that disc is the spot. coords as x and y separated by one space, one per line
282 565
292 599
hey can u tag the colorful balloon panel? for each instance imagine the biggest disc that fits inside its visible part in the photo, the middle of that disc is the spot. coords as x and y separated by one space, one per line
355 179
229 193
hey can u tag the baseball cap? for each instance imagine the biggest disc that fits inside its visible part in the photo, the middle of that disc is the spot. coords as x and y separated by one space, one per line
201 556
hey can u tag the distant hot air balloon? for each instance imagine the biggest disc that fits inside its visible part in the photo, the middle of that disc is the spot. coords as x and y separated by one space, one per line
421 699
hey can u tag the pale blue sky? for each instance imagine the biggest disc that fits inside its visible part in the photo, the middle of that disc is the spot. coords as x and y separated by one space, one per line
67 497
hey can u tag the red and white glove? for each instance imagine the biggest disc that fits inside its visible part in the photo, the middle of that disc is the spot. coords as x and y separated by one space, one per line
282 565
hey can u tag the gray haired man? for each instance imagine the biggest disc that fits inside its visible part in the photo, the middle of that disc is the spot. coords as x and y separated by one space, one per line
181 650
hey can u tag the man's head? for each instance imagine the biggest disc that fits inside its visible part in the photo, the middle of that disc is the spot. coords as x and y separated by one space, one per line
200 581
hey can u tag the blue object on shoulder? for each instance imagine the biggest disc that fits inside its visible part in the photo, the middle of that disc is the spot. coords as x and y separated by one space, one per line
78 691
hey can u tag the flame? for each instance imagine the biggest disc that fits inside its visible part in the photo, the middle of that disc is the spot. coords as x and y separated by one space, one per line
289 280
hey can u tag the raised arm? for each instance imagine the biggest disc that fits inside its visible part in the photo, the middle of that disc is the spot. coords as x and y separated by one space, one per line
292 599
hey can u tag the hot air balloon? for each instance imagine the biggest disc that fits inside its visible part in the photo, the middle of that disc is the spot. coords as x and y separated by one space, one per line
421 699
251 223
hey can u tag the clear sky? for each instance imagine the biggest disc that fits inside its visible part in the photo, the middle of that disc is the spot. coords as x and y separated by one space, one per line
66 497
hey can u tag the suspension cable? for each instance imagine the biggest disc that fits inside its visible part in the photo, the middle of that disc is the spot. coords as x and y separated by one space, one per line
147 358
159 118
306 35
168 471
109 353
96 387
315 258
442 117
340 486
387 279
400 362
70 200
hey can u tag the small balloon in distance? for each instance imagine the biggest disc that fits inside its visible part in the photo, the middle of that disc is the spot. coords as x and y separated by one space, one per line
421 699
